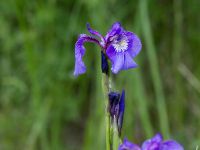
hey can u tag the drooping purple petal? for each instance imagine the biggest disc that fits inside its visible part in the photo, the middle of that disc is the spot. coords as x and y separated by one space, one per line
96 33
128 62
126 145
134 43
120 61
153 143
117 63
171 145
121 112
80 51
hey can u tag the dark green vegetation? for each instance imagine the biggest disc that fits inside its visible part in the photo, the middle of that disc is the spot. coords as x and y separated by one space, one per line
42 106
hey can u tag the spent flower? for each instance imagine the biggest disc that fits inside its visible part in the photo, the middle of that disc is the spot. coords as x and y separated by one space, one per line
116 108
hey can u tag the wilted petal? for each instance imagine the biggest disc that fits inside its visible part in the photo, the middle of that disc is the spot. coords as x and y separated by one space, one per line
121 112
113 97
126 145
80 51
153 143
114 104
171 145
134 43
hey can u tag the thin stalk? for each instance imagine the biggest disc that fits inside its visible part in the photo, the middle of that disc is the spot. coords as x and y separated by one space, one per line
112 135
106 88
148 37
116 139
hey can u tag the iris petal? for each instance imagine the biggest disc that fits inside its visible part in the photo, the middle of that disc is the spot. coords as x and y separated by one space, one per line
120 61
80 51
153 143
134 43
94 32
157 138
117 63
110 52
126 145
171 145
116 29
128 62
121 112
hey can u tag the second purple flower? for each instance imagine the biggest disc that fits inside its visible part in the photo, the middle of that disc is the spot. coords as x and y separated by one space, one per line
155 143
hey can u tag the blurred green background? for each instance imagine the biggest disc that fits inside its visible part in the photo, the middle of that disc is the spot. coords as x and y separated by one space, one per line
43 107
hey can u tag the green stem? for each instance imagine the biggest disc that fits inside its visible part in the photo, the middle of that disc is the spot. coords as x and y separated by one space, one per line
116 139
106 88
112 136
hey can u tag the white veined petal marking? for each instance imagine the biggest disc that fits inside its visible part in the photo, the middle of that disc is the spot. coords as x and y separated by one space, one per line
122 45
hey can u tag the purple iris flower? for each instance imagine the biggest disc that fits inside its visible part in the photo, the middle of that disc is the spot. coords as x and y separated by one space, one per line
155 143
126 145
119 45
116 108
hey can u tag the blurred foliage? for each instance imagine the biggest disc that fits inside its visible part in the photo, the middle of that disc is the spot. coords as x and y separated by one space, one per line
42 106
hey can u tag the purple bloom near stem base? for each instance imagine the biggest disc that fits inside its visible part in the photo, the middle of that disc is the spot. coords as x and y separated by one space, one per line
155 143
119 45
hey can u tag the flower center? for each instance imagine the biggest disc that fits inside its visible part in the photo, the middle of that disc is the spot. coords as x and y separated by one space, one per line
121 45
